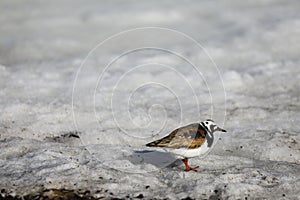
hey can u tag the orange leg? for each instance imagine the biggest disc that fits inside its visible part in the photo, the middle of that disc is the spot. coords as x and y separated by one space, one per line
187 167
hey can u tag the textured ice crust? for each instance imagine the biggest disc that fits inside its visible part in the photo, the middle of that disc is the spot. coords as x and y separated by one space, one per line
256 46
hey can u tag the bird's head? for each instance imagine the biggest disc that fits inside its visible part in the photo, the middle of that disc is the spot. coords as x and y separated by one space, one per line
211 126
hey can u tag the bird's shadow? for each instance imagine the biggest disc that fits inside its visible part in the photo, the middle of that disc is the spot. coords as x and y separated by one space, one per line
153 157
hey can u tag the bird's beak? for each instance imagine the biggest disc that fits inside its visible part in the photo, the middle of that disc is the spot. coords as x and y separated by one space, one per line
222 130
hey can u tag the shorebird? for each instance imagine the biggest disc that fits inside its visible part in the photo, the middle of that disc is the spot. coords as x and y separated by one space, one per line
189 141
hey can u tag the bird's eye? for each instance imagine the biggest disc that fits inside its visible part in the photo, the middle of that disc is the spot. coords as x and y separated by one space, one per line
206 122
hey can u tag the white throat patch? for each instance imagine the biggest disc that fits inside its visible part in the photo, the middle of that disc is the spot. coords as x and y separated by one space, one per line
208 133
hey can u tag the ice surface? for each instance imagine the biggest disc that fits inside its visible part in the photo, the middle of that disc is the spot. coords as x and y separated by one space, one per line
95 140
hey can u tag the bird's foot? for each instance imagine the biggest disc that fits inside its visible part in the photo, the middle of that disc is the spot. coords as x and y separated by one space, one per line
195 169
187 167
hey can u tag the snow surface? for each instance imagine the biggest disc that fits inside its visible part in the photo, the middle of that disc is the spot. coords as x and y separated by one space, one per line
78 122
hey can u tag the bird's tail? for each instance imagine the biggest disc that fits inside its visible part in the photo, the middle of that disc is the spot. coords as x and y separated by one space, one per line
156 143
151 144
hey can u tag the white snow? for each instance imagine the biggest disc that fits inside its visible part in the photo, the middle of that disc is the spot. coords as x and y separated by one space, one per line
92 137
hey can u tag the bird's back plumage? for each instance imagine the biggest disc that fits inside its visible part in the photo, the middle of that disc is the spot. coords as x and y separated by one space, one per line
191 136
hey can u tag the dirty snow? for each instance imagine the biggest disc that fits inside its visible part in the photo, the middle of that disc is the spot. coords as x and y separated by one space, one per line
73 120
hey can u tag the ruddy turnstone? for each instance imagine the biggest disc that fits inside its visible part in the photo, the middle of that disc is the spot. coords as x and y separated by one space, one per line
189 141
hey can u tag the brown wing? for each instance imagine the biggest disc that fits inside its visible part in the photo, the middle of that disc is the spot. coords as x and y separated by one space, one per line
190 136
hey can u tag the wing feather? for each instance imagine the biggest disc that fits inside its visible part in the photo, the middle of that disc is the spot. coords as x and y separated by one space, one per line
190 136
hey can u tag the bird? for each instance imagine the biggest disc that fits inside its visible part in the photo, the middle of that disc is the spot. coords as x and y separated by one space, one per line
189 141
